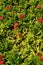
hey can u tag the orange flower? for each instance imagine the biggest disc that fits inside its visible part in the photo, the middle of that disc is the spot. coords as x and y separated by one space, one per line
15 25
1 17
20 35
9 7
38 7
21 16
40 19
1 62
1 56
41 58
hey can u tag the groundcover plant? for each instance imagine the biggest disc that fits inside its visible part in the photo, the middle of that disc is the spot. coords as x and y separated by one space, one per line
21 32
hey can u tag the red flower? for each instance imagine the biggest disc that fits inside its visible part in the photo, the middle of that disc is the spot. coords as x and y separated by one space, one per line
9 7
40 19
1 62
15 25
1 56
1 17
38 7
38 54
41 58
20 35
21 16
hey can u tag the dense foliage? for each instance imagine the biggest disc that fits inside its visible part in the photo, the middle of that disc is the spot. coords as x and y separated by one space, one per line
21 32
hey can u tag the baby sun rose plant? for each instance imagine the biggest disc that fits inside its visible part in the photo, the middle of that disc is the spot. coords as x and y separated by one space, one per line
21 32
38 53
